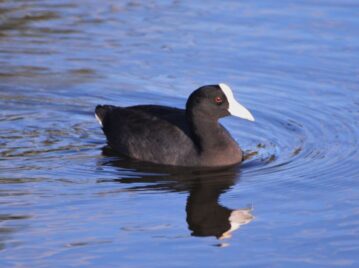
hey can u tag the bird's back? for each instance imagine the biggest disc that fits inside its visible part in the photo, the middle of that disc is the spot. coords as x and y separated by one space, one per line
152 133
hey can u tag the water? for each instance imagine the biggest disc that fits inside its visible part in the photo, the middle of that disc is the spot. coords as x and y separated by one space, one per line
66 202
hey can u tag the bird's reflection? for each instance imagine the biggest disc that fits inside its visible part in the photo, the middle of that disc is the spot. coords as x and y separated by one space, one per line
205 215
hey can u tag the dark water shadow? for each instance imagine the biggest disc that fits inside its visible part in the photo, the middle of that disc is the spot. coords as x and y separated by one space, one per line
205 215
10 224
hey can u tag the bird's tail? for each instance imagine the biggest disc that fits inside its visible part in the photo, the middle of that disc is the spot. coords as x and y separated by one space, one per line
101 111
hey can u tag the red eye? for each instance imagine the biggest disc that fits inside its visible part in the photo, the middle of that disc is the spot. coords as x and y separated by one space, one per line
218 100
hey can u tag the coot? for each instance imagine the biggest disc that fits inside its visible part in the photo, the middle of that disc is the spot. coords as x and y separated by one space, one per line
177 137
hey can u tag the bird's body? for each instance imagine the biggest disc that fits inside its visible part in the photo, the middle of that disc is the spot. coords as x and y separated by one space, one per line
171 136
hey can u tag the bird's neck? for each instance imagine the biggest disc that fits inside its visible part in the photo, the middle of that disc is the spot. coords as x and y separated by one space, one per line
206 132
214 144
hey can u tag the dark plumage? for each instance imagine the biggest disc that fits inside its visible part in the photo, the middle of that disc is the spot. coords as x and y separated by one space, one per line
171 136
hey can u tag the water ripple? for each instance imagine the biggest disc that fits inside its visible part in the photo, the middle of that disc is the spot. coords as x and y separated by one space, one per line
314 138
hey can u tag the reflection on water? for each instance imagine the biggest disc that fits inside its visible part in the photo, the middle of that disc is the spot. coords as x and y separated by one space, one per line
294 64
205 215
8 225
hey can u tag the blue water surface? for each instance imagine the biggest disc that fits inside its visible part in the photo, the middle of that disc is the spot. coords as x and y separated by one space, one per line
67 202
